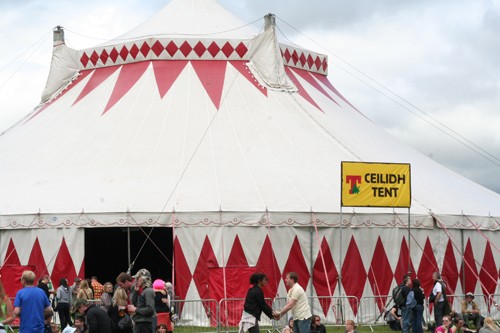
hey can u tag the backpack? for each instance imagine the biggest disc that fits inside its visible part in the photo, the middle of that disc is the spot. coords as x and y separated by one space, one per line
411 302
397 296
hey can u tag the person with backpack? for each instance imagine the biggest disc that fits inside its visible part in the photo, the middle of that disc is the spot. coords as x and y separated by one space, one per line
437 296
406 308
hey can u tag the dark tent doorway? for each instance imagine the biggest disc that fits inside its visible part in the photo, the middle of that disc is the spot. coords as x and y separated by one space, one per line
106 252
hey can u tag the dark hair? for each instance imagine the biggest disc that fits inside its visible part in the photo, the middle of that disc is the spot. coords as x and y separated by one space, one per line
80 318
416 283
122 277
314 317
63 282
257 277
438 275
294 276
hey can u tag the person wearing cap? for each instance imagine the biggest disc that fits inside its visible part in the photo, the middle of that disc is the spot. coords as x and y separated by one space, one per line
75 288
470 310
142 298
97 319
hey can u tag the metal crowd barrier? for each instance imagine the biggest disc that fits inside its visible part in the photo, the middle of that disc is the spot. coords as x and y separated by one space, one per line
335 310
198 316
230 311
485 304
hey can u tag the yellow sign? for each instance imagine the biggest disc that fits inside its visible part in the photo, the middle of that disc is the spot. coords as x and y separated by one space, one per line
376 184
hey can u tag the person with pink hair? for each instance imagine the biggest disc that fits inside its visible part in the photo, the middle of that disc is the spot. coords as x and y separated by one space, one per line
162 304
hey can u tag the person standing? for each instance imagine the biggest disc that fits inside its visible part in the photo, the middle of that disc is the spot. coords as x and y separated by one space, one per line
255 304
85 292
107 295
406 311
418 310
96 287
64 302
118 311
75 288
142 298
43 284
437 292
30 304
298 303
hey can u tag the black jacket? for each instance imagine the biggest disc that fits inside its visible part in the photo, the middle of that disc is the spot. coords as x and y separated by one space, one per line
98 320
255 303
419 295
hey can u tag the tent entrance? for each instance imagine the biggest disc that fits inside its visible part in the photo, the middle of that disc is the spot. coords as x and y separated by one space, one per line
106 252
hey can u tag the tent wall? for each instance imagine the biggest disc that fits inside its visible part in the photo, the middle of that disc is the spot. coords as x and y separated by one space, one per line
56 252
372 260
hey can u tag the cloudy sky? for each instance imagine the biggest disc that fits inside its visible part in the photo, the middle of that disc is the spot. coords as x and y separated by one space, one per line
426 71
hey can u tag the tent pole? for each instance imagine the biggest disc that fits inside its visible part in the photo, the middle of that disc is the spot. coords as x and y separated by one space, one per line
128 245
340 254
409 243
311 269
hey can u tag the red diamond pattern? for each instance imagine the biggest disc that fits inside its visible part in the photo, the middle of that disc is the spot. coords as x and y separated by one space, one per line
171 48
213 49
320 276
295 57
353 274
84 59
113 55
317 62
145 49
186 48
134 51
287 55
199 49
468 270
488 274
183 275
380 274
227 49
37 260
267 263
310 61
94 58
325 64
63 266
449 272
428 265
297 263
241 50
11 257
104 56
124 53
157 48
237 257
402 266
302 59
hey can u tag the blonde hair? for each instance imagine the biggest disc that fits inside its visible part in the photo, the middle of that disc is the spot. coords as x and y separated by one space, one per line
350 322
120 297
28 277
84 284
488 322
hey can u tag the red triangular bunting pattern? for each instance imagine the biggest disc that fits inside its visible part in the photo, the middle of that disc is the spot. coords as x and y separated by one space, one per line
297 263
309 79
320 276
302 92
323 79
37 260
488 274
166 72
237 256
211 75
81 272
129 75
73 84
268 265
243 69
428 265
63 266
182 272
11 257
206 260
449 271
353 274
99 76
380 275
468 270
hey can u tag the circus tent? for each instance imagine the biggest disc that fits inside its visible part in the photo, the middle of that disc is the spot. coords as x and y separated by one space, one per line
195 121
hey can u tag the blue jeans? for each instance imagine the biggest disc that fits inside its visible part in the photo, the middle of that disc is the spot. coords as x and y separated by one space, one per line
418 314
405 317
302 326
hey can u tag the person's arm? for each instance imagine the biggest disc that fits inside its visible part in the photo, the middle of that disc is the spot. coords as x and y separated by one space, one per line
149 309
9 316
261 302
475 308
17 311
291 303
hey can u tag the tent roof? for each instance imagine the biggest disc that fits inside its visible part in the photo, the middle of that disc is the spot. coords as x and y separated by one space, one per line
219 134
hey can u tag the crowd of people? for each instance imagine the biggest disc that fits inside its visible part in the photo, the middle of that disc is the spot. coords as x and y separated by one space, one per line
135 304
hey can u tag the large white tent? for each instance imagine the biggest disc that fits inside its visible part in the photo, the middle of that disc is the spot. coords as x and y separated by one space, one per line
196 122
